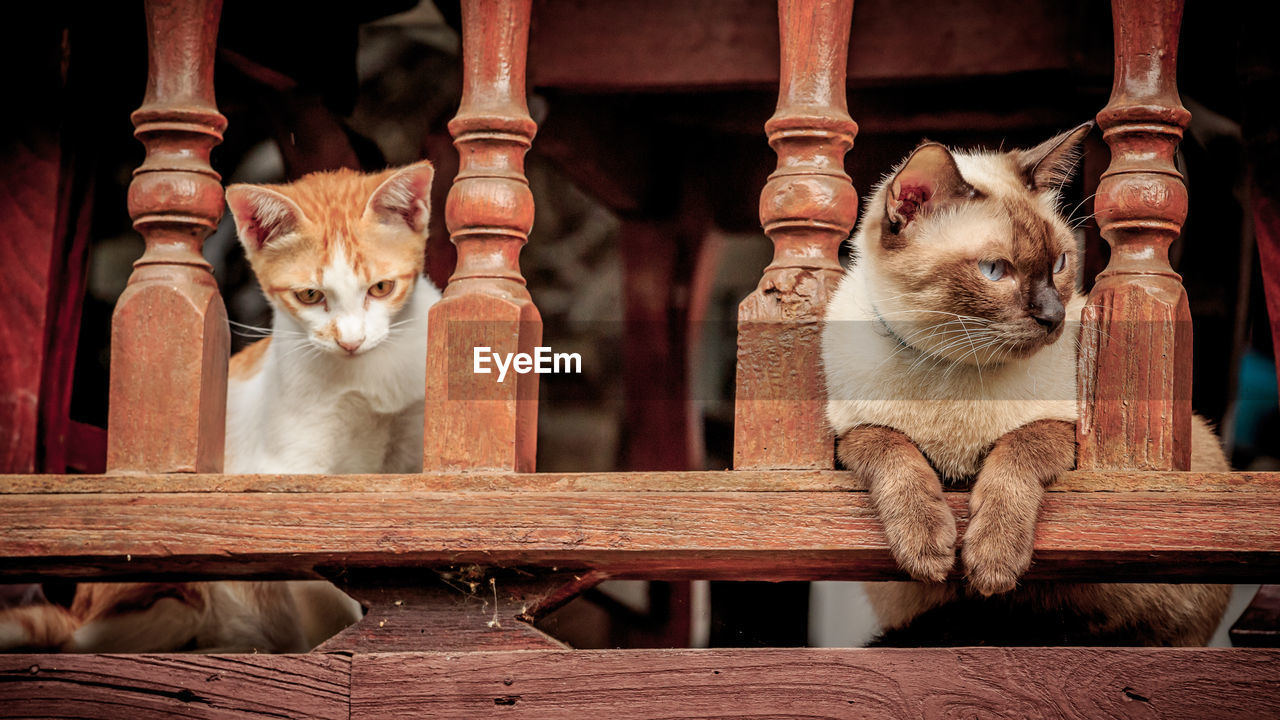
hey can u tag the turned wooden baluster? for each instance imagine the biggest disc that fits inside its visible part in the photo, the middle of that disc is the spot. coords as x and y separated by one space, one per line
1135 369
472 421
807 208
169 335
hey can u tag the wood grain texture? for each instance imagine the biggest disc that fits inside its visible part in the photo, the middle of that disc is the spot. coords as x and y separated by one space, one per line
889 684
472 421
1135 343
893 684
807 208
169 335
635 482
695 44
141 687
1110 536
457 610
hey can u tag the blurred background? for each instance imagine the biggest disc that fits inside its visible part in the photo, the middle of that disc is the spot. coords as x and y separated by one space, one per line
646 173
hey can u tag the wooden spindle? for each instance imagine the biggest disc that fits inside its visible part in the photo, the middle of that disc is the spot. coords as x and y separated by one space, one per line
169 335
472 420
807 208
1135 369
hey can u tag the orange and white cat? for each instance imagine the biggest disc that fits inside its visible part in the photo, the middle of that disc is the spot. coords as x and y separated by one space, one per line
338 387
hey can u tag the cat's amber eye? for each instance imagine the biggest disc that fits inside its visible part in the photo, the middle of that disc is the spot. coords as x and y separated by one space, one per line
309 296
382 288
1060 264
993 269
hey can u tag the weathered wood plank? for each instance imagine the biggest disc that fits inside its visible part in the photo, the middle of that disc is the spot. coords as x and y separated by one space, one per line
140 687
668 482
893 684
723 535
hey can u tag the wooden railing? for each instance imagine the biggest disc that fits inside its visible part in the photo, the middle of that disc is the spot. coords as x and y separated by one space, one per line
527 542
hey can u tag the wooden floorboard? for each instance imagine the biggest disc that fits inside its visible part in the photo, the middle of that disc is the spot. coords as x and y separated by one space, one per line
142 687
821 683
1105 536
888 684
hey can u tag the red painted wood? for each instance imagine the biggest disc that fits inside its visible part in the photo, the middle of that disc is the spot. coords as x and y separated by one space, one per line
1266 227
1135 365
889 684
663 427
1165 536
169 335
807 208
472 421
664 45
142 687
29 246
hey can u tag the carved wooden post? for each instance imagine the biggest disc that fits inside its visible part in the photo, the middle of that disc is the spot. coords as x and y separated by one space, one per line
472 420
169 336
1135 370
807 208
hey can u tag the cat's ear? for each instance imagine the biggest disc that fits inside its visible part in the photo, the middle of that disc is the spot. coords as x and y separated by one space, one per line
1049 165
262 215
405 197
928 179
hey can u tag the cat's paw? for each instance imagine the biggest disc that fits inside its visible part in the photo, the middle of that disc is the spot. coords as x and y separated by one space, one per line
923 541
997 545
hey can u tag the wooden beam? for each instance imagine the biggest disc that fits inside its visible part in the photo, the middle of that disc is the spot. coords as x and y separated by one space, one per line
665 45
633 482
1102 536
143 687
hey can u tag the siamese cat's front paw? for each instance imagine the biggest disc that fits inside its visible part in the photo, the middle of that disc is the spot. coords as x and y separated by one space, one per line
997 546
923 541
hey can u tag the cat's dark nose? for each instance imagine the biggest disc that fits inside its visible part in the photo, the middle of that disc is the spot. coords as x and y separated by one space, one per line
1047 308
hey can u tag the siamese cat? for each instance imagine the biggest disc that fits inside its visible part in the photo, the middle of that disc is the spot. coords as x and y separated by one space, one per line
950 351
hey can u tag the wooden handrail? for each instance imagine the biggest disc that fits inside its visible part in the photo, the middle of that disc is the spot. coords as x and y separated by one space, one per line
1175 533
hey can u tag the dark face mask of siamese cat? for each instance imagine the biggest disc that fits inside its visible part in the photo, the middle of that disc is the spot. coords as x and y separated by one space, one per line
977 270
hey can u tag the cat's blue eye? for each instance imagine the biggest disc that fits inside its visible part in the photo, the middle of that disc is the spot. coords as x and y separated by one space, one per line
993 269
1060 264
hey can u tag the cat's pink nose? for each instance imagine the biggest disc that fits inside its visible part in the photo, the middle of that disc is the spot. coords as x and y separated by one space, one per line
351 345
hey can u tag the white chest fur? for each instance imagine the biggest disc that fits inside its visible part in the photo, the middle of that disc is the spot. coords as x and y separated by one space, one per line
953 412
305 411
